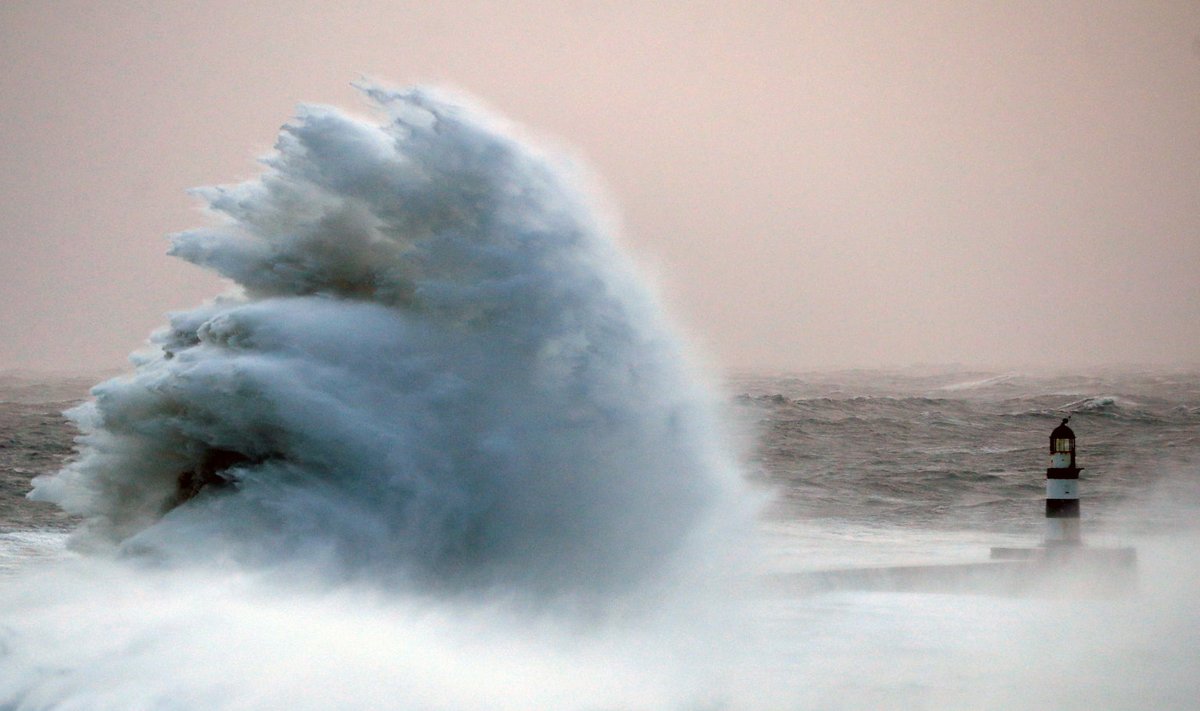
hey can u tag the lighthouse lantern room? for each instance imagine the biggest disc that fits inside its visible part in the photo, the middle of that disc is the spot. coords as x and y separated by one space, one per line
1062 447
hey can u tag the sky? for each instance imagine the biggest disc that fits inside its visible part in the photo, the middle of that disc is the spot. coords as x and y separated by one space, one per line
811 184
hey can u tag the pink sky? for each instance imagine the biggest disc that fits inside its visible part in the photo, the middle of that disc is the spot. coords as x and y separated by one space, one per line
828 184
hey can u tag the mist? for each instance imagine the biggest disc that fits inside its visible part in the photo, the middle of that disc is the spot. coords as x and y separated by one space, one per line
438 448
102 634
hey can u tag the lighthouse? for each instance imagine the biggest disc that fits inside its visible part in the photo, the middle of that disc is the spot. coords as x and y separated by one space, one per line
1061 566
1062 562
1062 489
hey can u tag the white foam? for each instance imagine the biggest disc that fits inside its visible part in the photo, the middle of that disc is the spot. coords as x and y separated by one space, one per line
19 548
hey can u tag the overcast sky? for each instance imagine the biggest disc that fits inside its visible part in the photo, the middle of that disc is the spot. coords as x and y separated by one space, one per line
812 184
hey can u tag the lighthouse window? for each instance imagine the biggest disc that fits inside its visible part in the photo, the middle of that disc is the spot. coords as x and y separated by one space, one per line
1062 445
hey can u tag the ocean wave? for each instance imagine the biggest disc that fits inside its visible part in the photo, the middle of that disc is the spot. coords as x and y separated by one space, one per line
981 383
1100 403
438 371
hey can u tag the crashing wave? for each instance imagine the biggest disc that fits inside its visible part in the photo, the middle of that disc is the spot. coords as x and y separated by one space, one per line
437 369
1103 404
981 383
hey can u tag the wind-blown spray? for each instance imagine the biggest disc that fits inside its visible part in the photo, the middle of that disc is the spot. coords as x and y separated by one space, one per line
435 451
437 371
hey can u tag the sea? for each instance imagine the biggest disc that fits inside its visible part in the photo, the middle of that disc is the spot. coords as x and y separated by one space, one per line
853 469
441 446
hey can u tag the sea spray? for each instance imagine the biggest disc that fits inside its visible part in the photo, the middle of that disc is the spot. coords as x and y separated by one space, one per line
436 371
437 449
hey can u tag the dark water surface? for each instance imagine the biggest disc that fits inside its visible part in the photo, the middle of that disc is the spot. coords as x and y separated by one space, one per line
964 450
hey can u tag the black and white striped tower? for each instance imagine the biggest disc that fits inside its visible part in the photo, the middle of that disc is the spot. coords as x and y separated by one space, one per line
1062 489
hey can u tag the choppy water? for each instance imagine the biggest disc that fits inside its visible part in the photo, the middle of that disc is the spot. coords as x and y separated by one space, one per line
967 451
